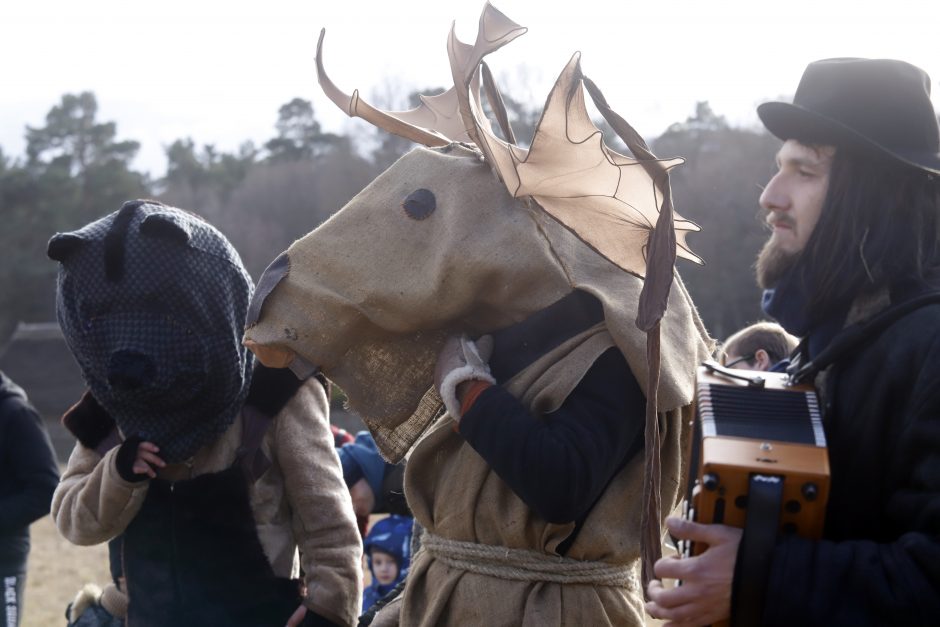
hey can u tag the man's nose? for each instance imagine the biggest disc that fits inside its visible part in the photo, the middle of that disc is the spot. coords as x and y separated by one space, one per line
772 197
129 370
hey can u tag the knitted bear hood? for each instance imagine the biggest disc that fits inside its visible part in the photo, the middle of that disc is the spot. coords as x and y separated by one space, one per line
152 301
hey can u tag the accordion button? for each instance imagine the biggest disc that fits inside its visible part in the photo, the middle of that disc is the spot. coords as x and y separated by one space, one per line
710 481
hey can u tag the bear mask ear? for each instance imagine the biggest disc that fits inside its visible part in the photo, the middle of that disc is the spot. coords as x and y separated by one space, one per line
62 246
166 226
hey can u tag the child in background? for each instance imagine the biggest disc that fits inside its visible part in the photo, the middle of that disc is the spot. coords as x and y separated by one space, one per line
388 549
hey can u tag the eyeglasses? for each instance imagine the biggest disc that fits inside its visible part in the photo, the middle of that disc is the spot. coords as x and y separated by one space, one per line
747 358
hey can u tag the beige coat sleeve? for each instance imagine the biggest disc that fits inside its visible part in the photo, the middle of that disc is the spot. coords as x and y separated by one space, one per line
322 518
92 503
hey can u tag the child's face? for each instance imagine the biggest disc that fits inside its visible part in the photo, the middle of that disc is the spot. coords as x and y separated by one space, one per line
384 567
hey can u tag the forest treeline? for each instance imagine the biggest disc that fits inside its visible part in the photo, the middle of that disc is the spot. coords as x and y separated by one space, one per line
77 168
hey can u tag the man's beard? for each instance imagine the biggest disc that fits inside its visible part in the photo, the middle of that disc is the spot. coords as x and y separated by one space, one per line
773 263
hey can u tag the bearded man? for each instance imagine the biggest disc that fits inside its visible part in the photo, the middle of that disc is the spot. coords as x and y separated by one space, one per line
851 268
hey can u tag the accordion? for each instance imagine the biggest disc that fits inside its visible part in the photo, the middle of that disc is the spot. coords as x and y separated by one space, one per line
760 451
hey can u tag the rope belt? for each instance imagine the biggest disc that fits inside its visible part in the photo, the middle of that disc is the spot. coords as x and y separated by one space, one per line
525 565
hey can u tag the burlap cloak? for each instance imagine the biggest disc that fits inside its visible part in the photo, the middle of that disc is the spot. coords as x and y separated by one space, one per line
454 493
371 295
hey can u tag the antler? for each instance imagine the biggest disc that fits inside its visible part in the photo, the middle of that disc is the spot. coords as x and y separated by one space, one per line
437 120
609 200
620 206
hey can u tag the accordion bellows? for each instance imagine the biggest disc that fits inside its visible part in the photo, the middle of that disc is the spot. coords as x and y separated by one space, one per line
773 431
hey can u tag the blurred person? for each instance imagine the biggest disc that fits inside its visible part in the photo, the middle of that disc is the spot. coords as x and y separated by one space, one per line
761 346
28 476
374 484
340 436
387 548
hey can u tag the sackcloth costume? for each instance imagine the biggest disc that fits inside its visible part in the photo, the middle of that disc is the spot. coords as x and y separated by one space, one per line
357 301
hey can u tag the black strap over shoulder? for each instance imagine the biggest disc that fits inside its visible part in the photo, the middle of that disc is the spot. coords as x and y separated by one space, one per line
856 336
752 567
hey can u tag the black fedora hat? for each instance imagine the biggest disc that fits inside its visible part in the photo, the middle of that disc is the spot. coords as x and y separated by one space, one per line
875 103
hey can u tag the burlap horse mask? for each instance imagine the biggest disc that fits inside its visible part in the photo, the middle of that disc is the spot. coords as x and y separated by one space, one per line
152 301
472 235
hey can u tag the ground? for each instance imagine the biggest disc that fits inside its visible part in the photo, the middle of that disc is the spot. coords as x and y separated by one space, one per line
57 571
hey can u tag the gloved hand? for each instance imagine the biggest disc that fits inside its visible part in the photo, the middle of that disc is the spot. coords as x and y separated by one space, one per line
459 360
136 460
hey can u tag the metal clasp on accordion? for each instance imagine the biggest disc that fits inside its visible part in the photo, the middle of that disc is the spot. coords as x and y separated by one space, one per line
767 437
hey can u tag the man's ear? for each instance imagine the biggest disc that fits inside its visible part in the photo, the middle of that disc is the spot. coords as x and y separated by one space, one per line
762 360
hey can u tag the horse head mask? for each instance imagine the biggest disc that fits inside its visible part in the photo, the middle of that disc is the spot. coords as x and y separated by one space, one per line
474 233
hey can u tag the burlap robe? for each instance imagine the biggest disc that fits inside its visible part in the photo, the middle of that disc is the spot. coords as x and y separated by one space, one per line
370 296
454 494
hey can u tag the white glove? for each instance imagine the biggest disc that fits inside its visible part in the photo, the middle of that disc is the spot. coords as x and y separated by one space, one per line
459 360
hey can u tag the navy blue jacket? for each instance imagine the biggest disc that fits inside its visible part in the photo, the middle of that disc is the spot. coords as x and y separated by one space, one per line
28 474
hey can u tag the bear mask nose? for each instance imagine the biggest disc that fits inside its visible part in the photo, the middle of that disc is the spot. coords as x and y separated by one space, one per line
129 370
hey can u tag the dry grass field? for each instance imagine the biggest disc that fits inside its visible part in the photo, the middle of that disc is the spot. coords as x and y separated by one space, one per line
57 571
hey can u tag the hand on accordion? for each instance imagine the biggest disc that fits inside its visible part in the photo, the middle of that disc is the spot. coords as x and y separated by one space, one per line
705 594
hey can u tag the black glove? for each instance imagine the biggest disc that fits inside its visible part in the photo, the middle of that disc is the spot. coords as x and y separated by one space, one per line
124 460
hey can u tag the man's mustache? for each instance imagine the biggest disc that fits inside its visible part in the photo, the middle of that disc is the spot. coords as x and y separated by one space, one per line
781 220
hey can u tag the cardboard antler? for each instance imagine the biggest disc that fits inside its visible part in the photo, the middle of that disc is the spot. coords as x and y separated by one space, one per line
436 121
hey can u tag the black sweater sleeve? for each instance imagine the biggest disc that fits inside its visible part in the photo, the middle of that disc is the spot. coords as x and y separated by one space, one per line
560 463
32 463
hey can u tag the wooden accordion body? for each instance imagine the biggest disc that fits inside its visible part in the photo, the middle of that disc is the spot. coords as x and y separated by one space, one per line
748 432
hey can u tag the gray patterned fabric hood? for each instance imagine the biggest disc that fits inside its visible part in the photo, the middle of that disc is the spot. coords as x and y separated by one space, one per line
152 301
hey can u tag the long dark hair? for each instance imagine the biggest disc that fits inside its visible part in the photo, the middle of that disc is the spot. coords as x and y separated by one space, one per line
880 223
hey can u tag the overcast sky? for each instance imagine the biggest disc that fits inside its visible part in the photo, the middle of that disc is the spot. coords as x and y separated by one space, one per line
217 71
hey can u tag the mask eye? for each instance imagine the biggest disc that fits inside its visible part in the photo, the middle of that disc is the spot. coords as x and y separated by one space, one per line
419 204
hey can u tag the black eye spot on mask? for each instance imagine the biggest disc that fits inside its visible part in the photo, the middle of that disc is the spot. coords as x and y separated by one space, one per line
419 204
